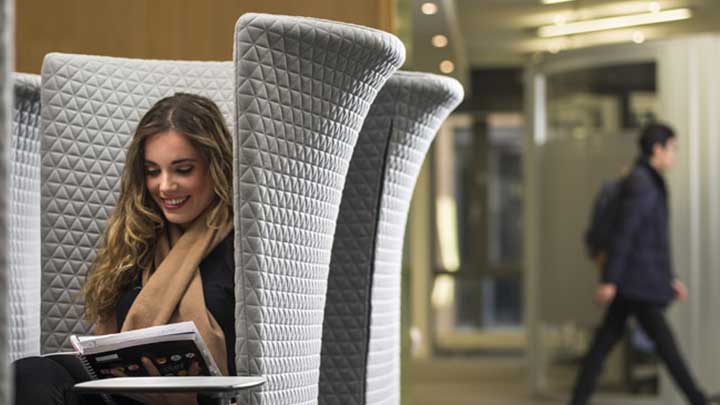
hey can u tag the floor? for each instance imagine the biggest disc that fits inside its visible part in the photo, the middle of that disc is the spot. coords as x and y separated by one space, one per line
484 382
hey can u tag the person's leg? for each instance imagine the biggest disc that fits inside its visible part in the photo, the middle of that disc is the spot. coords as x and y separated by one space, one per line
608 334
41 381
652 320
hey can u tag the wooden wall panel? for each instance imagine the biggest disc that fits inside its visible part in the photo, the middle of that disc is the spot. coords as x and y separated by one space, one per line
162 29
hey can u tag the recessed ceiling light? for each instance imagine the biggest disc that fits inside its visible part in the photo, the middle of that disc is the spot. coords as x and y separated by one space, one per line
447 66
555 1
429 8
439 41
638 37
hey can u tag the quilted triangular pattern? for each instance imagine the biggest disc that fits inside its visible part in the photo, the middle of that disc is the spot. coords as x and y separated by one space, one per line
361 337
91 106
347 307
422 101
24 218
304 87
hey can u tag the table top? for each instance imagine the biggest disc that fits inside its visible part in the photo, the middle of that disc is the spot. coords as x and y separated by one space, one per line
169 384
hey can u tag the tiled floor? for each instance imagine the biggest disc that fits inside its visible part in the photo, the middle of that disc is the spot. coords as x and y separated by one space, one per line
483 382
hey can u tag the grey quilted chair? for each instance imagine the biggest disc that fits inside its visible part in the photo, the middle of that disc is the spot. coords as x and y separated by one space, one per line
24 215
90 108
304 87
361 336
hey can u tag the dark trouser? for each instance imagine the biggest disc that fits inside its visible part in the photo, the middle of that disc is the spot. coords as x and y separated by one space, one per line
42 381
651 319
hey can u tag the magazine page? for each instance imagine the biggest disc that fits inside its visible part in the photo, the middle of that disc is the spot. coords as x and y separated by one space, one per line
171 358
94 344
175 350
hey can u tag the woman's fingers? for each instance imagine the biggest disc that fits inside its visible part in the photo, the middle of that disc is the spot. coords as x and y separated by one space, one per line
150 367
194 368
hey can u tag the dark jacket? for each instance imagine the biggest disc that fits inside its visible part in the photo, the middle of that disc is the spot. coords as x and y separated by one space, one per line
217 271
639 260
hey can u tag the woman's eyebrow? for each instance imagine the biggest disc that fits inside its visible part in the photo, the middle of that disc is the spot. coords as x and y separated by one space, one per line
174 162
188 160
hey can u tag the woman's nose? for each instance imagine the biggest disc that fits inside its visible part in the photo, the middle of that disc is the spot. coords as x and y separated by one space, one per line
167 183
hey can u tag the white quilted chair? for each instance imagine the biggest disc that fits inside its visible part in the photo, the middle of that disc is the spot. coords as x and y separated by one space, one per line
361 336
90 108
24 225
304 87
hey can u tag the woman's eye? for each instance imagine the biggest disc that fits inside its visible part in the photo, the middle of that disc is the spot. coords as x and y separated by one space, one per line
185 169
152 172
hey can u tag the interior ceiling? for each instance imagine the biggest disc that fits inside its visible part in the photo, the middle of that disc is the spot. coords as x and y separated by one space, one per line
487 33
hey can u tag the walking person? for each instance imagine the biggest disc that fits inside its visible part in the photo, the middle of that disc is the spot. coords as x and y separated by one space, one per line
637 278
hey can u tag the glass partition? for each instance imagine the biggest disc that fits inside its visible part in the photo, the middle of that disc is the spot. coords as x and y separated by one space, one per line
592 117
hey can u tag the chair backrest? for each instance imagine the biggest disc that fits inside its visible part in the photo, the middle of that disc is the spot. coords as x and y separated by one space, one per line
24 216
304 87
361 336
90 108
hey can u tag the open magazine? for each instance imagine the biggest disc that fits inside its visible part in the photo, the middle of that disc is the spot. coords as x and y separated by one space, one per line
176 350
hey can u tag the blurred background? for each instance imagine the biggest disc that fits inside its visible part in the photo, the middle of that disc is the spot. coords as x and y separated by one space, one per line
497 305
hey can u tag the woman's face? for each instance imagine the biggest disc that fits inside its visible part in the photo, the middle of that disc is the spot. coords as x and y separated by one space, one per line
177 177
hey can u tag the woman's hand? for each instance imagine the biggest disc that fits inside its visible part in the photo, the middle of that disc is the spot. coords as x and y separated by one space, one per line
157 399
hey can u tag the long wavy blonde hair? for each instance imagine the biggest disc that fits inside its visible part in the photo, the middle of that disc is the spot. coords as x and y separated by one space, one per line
132 230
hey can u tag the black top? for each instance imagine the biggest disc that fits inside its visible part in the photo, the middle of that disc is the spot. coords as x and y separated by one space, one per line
218 278
639 260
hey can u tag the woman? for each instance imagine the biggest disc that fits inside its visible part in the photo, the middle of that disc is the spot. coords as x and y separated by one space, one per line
167 252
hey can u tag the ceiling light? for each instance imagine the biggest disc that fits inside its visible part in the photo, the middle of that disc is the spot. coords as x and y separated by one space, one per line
590 40
611 23
555 47
555 1
429 8
447 66
638 37
439 41
654 7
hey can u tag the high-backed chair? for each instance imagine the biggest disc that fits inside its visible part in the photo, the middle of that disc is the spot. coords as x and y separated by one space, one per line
304 87
90 108
24 218
361 336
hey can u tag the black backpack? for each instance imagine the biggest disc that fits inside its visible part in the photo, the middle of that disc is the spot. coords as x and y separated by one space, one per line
604 218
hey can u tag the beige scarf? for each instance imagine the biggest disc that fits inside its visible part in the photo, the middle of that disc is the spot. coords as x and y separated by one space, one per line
173 292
